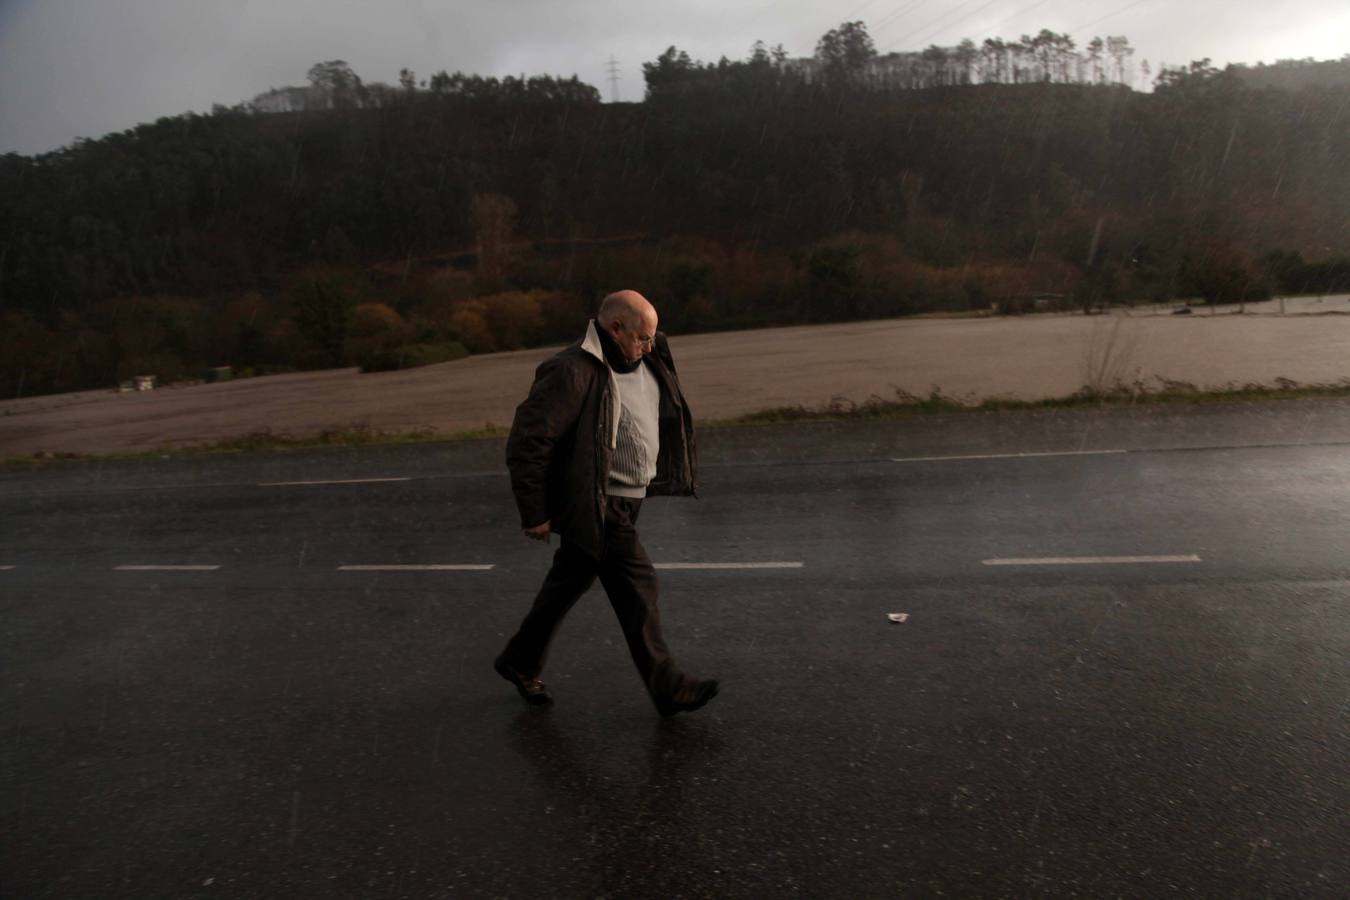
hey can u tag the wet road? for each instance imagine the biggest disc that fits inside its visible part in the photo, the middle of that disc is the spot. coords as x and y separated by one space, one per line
1123 671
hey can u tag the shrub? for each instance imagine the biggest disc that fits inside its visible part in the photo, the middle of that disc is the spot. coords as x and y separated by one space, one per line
1292 275
563 316
834 282
509 321
1223 275
515 319
324 311
27 356
376 327
412 356
376 320
470 325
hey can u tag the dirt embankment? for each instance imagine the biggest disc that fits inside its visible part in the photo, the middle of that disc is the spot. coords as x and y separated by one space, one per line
724 375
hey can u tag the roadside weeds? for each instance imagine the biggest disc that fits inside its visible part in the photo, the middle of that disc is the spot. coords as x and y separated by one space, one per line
1156 391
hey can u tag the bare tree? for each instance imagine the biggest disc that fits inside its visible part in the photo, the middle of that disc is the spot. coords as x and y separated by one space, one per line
1120 51
935 66
965 56
1095 48
1065 53
1043 50
991 60
494 220
1024 56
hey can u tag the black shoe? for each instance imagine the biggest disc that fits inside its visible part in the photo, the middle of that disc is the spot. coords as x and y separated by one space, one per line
692 696
532 689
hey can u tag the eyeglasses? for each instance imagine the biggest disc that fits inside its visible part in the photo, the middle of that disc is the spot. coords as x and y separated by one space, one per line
644 341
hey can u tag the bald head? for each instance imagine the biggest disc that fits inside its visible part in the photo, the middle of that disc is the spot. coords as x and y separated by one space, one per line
630 320
628 308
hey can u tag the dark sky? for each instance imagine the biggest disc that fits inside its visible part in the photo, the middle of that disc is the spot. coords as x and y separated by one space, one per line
83 68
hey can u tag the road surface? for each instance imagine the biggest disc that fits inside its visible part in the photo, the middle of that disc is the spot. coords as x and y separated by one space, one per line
1121 671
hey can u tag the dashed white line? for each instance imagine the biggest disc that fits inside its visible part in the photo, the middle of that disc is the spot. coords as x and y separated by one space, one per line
1090 560
728 565
420 568
336 481
165 568
910 459
6 568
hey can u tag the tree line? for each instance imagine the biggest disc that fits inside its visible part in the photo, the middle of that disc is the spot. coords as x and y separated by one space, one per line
365 227
846 57
334 85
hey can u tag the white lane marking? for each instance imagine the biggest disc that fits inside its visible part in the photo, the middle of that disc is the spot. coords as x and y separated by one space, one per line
165 568
1091 560
908 459
339 481
6 568
745 565
426 568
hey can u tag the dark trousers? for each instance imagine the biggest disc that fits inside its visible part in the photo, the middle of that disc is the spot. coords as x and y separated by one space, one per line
627 575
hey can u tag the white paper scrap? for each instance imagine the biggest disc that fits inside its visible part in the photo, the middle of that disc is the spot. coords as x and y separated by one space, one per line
898 617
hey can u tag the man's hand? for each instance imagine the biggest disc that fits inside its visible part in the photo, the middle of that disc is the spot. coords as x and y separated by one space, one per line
539 532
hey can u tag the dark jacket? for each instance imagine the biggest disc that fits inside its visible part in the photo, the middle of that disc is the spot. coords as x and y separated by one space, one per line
563 434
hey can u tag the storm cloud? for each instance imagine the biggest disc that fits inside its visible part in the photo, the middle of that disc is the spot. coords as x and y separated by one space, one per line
83 68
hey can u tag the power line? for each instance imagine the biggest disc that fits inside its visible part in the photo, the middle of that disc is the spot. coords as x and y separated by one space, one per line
1017 15
1022 12
1111 15
941 16
612 66
852 16
897 12
944 26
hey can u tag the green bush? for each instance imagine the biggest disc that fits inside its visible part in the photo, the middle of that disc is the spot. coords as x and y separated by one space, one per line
413 356
324 312
1223 274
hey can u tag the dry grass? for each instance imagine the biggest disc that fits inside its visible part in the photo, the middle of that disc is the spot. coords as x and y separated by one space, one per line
855 368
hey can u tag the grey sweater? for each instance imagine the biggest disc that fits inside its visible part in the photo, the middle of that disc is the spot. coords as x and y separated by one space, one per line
633 463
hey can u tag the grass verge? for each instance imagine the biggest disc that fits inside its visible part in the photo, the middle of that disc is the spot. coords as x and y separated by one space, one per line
266 440
901 404
1138 393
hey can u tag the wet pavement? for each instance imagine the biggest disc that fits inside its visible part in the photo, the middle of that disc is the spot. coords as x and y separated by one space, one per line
1123 671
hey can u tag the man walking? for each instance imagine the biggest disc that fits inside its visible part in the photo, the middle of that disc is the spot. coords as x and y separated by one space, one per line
605 425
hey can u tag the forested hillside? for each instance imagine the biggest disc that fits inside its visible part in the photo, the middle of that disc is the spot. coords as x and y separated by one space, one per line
493 214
